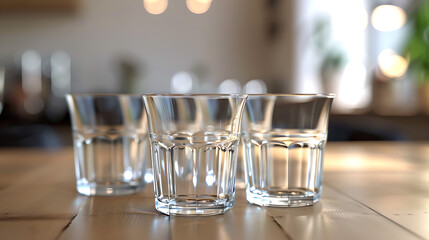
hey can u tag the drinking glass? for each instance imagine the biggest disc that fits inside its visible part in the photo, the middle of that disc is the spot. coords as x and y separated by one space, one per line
111 148
194 141
285 141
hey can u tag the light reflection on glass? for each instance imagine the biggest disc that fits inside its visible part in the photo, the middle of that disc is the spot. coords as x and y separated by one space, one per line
388 18
210 178
128 175
155 7
198 6
391 64
109 190
148 176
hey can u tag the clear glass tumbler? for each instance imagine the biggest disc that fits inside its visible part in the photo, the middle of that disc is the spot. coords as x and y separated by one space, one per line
285 141
111 144
194 140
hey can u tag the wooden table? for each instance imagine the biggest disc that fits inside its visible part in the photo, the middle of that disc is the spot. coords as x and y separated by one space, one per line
372 190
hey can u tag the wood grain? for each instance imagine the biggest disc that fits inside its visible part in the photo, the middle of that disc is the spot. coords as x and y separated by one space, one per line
389 178
38 199
371 191
32 229
337 217
134 217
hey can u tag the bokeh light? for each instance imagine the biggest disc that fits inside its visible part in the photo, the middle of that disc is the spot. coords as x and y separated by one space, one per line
155 7
229 86
31 72
255 86
198 6
182 82
391 64
388 18
60 73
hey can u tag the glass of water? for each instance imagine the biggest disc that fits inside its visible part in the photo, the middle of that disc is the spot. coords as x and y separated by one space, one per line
284 144
194 141
111 144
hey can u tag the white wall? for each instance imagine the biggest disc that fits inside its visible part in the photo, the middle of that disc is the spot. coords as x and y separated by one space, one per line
229 40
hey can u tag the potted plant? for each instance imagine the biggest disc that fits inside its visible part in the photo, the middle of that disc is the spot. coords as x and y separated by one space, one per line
417 51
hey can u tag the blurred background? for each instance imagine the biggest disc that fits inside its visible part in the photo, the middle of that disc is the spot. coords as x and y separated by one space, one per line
374 55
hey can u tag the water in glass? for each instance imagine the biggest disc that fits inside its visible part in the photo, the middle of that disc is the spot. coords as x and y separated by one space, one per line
194 173
284 168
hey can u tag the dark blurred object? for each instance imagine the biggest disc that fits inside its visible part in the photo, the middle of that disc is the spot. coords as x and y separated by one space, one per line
129 75
2 78
35 88
35 113
31 5
29 136
372 127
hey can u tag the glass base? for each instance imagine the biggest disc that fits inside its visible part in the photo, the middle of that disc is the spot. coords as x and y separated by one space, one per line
96 189
192 207
288 198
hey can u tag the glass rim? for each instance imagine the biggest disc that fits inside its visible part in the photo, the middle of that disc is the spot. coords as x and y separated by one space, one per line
102 94
325 95
177 95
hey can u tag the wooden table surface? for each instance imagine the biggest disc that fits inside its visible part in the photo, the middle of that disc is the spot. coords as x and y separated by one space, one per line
372 190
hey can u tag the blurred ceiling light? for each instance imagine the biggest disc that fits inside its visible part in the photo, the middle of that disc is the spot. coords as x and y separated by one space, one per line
229 86
182 82
391 64
155 7
198 6
255 86
387 18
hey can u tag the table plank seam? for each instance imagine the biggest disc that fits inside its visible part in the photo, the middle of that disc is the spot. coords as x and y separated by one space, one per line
66 226
370 208
145 213
34 217
289 237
